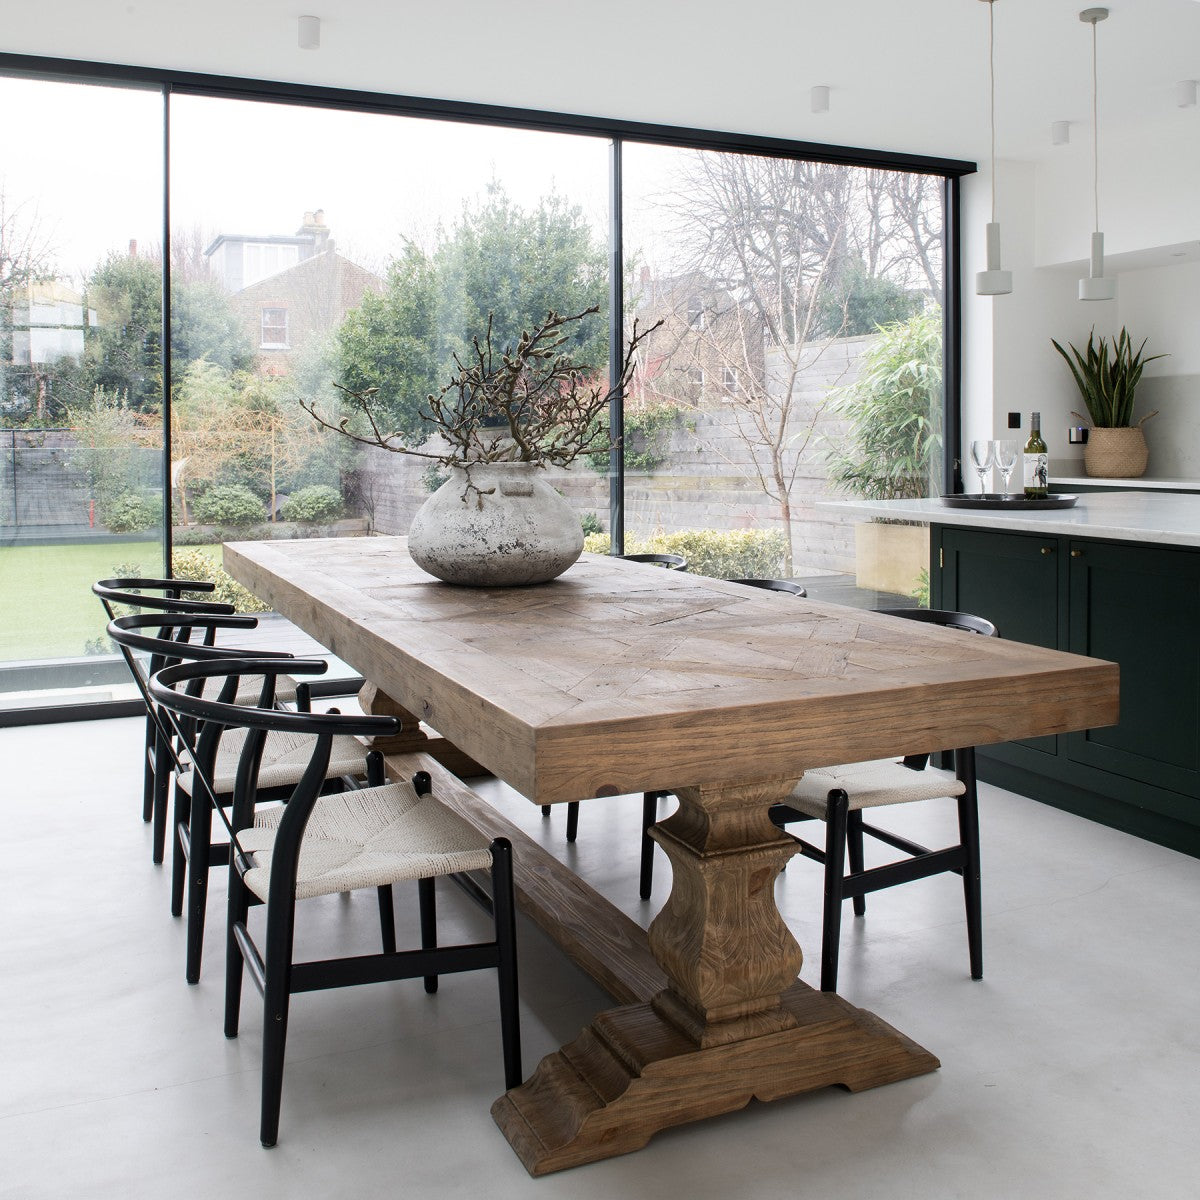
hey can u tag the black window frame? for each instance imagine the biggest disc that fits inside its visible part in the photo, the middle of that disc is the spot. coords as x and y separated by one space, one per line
616 132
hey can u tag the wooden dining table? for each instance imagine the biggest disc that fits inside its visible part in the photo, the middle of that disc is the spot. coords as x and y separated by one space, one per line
621 677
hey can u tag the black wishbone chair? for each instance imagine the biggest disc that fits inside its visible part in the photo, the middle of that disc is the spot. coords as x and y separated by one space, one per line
193 851
317 845
838 795
164 596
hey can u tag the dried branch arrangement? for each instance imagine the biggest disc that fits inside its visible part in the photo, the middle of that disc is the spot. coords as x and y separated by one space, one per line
527 404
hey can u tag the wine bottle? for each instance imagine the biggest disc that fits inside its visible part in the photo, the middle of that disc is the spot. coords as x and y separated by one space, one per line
1035 463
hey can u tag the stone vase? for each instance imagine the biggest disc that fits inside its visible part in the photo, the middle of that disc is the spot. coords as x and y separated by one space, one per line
1116 453
495 525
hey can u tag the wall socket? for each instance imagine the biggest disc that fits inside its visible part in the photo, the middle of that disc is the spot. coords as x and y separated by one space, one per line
1014 420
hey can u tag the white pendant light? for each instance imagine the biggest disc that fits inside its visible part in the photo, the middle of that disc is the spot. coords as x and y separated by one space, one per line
993 281
1096 286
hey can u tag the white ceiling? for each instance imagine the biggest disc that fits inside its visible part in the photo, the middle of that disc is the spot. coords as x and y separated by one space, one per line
906 75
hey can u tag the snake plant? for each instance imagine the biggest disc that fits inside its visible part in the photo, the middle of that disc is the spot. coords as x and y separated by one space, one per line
1107 376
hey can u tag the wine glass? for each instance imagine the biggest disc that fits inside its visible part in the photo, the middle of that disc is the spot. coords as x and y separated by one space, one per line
1006 459
982 452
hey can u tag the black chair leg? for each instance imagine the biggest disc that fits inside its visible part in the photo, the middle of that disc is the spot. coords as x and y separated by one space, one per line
572 820
152 764
199 840
180 821
161 798
649 817
545 810
504 912
968 827
239 907
281 922
387 919
835 866
854 850
428 902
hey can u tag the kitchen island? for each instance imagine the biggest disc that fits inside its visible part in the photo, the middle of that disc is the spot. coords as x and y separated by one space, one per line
1116 577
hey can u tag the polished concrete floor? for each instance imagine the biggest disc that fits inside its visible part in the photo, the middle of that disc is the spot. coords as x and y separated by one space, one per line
1071 1070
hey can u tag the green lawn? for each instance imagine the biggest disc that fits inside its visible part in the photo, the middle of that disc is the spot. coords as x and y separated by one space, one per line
45 593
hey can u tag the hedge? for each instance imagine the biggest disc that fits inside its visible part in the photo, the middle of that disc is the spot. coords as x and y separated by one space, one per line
731 554
198 565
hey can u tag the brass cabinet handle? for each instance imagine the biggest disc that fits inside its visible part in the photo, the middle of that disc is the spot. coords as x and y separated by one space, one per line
1047 549
1076 553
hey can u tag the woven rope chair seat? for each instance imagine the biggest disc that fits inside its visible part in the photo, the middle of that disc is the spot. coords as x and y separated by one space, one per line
250 689
369 838
285 756
870 785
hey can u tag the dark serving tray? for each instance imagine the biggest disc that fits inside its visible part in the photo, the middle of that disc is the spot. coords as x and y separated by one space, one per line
997 500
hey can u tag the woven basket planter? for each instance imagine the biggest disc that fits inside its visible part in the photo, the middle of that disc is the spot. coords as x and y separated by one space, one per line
1116 453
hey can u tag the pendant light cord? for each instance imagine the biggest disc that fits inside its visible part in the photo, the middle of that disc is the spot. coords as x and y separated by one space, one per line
1095 131
992 93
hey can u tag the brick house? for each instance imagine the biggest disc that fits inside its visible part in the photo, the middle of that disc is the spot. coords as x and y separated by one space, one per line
286 289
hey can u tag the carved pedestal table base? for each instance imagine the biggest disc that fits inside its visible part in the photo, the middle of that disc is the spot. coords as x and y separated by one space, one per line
732 1025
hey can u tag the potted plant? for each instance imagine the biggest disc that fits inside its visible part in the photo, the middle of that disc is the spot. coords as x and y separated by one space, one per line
1107 375
502 417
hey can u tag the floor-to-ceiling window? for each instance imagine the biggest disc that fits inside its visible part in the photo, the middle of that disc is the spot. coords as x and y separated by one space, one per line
322 244
81 481
799 357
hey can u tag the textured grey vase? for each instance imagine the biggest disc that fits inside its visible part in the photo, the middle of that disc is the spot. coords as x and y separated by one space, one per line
495 525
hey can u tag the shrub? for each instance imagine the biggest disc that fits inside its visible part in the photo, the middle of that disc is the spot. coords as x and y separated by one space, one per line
591 523
131 511
228 504
197 564
318 502
721 554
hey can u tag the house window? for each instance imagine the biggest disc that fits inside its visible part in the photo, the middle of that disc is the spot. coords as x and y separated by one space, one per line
274 329
695 316
695 375
731 380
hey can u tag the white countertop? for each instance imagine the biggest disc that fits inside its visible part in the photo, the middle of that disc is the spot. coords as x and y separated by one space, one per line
1144 482
1162 518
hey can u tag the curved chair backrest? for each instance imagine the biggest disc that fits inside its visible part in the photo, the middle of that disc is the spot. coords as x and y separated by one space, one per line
137 593
774 585
944 618
200 722
673 562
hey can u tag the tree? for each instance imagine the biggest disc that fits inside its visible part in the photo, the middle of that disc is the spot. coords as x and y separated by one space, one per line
893 446
498 259
777 258
124 350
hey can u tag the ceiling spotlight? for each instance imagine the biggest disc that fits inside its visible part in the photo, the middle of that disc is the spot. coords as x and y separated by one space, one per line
1185 93
309 33
819 98
1060 133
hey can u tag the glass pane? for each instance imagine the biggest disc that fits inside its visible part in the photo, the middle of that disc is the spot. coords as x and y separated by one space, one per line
80 409
792 295
315 248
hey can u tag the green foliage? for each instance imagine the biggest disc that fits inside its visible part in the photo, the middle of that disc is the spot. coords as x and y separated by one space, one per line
720 554
921 592
123 352
433 477
319 502
591 524
499 258
894 408
228 504
859 302
200 565
132 511
647 430
1107 378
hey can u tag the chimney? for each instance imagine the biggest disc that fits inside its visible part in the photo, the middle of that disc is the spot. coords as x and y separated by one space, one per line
133 247
645 277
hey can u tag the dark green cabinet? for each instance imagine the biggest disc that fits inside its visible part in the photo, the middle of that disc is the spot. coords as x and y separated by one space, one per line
1133 604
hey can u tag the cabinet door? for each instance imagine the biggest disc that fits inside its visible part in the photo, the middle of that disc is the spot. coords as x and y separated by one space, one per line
1012 579
1139 606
